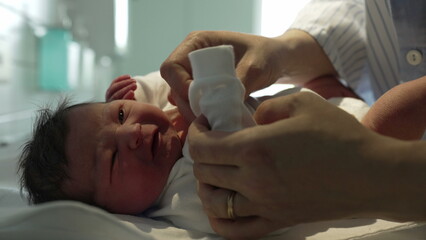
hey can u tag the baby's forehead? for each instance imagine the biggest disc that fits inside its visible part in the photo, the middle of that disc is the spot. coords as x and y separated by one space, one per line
87 105
83 124
85 112
84 121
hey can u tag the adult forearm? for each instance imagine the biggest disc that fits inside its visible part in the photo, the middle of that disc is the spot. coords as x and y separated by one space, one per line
339 28
304 59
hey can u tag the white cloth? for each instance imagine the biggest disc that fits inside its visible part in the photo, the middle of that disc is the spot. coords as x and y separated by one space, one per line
179 203
152 89
216 92
362 42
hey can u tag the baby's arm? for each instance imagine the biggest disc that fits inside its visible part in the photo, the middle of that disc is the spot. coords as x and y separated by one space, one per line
400 112
122 87
329 87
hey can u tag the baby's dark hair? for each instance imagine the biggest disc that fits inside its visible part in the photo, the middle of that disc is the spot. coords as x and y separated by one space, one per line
43 161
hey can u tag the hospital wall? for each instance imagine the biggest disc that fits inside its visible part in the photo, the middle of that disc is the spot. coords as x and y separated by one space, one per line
22 25
156 28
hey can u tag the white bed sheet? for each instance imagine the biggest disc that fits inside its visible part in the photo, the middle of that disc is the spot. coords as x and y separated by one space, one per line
72 220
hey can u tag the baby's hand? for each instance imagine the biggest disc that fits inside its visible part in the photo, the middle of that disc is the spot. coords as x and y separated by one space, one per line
122 87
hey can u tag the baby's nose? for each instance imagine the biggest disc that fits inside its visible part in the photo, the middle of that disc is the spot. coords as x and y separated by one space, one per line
131 135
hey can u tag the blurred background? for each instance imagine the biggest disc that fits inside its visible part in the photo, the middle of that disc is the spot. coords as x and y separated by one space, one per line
52 48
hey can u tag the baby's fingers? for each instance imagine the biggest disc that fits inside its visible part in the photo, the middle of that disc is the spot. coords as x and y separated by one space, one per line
121 78
129 95
118 89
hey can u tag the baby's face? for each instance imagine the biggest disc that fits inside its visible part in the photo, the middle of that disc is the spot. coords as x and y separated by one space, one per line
120 154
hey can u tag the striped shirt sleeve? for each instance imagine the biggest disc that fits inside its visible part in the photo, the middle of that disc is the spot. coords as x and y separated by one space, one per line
339 27
382 47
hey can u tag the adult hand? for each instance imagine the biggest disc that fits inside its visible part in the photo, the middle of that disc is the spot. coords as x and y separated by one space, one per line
122 87
260 61
318 163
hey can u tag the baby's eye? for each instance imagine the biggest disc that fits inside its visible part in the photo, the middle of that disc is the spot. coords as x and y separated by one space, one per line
121 116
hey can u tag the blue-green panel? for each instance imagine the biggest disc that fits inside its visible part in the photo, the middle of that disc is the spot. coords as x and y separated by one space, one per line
53 60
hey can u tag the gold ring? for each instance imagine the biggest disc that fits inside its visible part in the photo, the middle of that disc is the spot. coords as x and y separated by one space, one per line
230 205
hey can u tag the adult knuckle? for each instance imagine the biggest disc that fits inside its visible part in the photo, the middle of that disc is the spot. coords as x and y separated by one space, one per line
217 227
253 69
295 100
210 211
196 36
265 108
206 196
199 172
193 34
210 208
194 40
199 39
166 69
303 97
196 172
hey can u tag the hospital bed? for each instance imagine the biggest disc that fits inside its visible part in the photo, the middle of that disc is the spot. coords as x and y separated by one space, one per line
73 220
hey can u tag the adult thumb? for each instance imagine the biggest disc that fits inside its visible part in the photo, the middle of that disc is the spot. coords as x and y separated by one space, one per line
283 107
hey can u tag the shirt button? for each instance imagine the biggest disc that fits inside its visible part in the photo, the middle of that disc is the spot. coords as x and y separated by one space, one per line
414 57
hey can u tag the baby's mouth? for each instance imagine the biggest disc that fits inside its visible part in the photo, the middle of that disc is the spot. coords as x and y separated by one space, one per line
156 142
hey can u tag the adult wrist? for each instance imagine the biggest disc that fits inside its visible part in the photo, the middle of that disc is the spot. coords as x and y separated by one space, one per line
303 58
398 180
409 183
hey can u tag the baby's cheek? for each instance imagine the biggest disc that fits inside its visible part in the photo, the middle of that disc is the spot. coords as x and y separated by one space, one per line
129 201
